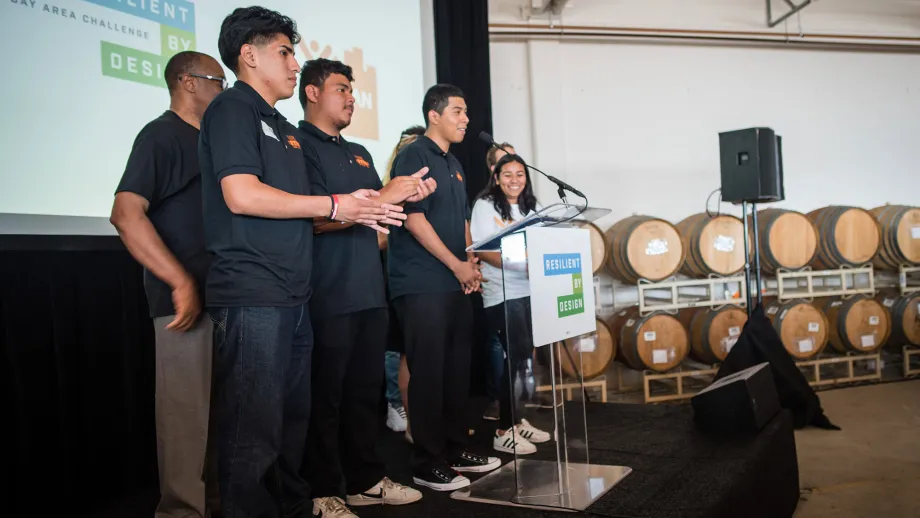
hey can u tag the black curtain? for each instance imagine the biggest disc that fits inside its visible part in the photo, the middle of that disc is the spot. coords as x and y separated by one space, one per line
76 357
461 29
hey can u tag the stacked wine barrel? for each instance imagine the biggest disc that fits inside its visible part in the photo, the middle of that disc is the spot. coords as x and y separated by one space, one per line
858 324
713 244
900 237
904 313
589 356
644 247
801 326
656 342
787 239
847 236
713 332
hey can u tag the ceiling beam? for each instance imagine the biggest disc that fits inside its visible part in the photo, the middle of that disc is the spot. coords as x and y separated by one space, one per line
794 9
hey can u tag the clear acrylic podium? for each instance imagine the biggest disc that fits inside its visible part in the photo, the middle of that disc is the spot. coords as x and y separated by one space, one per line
556 265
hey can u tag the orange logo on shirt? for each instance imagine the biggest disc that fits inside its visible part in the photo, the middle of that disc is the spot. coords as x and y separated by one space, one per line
459 177
293 142
361 161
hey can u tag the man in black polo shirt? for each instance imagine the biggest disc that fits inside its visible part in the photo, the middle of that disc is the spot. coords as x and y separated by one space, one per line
259 224
430 276
157 213
349 308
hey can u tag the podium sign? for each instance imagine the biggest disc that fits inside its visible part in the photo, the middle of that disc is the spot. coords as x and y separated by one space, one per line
559 262
552 257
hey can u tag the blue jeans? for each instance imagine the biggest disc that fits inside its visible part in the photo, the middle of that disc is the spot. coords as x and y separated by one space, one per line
262 381
496 367
394 397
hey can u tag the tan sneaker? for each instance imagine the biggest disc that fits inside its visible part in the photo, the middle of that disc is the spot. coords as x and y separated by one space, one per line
386 492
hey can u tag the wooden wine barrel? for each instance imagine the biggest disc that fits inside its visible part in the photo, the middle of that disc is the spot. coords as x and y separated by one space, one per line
713 332
599 245
802 327
904 312
597 349
900 226
656 342
857 325
787 239
847 236
644 247
713 244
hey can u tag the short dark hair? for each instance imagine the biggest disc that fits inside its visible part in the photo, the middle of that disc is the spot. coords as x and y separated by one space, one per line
253 26
182 63
413 130
316 71
438 97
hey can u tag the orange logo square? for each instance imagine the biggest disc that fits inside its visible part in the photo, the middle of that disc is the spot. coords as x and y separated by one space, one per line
459 177
361 161
293 142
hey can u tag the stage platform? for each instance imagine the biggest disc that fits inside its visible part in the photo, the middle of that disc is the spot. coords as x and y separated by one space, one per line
677 470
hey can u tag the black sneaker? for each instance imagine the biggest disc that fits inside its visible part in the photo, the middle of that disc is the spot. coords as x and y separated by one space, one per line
492 412
467 462
441 478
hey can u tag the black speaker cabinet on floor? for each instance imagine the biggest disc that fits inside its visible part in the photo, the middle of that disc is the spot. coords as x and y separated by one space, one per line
741 403
752 166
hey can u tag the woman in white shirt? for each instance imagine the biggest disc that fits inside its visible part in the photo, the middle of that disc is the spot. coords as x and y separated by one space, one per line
509 197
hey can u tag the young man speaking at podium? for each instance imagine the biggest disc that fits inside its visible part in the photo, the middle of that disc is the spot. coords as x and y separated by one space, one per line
430 276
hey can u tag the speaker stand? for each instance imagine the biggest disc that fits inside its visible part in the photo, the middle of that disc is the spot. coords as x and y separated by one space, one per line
747 257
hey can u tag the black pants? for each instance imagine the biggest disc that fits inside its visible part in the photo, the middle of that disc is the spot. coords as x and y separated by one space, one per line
348 363
521 350
437 328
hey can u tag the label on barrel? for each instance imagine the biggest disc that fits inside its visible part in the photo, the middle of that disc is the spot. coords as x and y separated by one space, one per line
656 247
806 346
890 302
836 303
659 356
587 345
813 327
724 243
649 336
772 310
915 233
868 340
734 331
728 342
873 320
630 322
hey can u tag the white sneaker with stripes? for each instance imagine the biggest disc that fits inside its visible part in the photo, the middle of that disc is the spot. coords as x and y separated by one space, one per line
512 443
531 433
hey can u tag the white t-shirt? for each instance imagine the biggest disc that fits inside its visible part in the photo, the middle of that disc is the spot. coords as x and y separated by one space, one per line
484 222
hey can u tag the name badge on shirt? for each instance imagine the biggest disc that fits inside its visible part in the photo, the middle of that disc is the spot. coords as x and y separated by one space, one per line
269 131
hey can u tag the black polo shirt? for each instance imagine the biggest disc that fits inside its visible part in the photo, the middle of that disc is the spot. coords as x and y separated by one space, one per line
411 268
258 261
347 273
163 169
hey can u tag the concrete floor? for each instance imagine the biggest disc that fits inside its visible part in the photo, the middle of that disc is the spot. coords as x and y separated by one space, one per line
871 468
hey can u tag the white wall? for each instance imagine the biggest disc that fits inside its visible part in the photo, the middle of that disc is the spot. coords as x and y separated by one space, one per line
635 125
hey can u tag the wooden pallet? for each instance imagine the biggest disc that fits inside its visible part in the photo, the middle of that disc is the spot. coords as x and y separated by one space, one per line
911 352
849 361
676 379
599 384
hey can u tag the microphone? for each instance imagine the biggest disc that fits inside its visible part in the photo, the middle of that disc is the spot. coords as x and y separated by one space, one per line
485 137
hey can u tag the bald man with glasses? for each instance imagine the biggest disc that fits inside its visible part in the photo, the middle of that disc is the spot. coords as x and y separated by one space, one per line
158 214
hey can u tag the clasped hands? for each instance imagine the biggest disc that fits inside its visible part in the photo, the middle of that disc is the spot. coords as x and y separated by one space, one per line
365 208
469 273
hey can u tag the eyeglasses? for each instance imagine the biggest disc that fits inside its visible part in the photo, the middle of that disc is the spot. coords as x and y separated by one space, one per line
222 80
